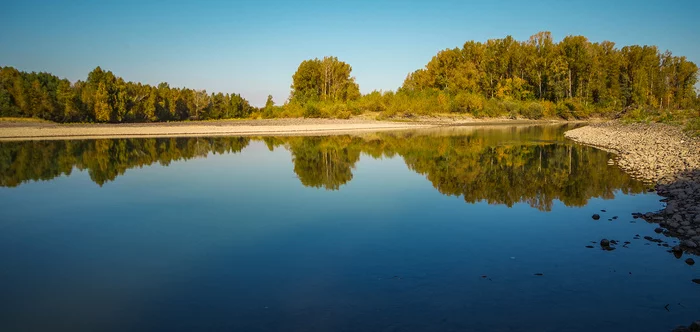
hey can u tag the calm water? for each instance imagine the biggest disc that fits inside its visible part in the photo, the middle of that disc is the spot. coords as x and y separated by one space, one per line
439 230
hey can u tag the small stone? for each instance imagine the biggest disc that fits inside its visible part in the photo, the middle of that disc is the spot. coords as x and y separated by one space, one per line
604 243
677 252
590 247
690 261
690 244
539 274
659 230
596 217
697 281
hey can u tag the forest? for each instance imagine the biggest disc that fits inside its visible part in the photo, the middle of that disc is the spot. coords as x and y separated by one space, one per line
103 97
536 78
477 166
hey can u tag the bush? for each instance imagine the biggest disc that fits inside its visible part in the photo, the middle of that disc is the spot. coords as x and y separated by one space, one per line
343 115
312 111
355 110
576 109
563 111
467 103
534 111
492 108
513 108
693 126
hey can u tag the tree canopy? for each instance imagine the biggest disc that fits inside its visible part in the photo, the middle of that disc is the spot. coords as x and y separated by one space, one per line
327 79
575 68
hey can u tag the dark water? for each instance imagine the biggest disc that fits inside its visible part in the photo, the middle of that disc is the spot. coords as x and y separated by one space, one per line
404 231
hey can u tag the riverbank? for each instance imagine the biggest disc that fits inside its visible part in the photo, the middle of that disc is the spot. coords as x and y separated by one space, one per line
19 130
665 155
43 130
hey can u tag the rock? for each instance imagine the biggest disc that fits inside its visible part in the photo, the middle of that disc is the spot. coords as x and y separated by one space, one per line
695 326
697 281
590 247
649 238
690 244
690 261
596 217
604 243
677 252
539 274
659 230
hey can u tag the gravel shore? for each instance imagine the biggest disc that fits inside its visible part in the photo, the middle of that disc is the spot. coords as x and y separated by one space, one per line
665 155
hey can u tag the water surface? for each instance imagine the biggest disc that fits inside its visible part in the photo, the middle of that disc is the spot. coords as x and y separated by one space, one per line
431 230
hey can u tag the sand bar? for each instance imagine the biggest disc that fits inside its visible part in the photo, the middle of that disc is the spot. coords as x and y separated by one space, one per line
45 130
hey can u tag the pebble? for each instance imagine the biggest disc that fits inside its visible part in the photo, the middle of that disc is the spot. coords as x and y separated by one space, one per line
690 261
596 217
662 154
690 244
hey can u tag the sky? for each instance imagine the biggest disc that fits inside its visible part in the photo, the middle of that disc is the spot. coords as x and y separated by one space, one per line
253 47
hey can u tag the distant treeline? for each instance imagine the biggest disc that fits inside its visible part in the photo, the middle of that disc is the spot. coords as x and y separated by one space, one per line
534 79
104 97
536 166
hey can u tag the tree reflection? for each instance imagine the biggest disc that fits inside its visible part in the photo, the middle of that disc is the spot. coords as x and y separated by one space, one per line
533 165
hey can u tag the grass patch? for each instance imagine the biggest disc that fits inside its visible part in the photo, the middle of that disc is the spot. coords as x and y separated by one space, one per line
14 119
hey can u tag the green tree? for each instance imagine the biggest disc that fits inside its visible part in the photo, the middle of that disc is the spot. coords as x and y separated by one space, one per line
324 80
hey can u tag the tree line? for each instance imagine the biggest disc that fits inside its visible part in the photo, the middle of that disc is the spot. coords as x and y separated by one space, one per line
536 166
536 78
104 97
587 74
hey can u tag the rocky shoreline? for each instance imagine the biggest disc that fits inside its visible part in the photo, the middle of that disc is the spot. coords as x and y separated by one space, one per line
664 155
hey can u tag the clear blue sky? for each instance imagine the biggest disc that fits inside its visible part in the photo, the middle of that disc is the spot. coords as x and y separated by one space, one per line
253 47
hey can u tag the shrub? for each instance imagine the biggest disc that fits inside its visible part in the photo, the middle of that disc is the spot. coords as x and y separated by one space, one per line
312 111
492 108
693 126
563 111
467 103
343 115
534 110
576 109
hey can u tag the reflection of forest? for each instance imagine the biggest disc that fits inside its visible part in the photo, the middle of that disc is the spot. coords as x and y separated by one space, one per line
534 164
